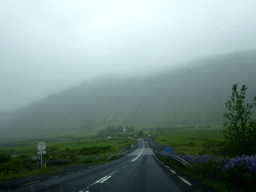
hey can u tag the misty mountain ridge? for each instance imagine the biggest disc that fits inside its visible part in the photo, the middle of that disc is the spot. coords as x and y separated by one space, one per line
188 96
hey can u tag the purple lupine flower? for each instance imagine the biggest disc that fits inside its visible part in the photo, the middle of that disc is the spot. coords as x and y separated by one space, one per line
221 163
249 168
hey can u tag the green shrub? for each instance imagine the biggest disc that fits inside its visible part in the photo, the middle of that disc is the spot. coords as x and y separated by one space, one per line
15 165
85 161
58 163
192 144
95 150
4 157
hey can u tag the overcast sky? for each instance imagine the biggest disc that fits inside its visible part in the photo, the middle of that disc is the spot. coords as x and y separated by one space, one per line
46 46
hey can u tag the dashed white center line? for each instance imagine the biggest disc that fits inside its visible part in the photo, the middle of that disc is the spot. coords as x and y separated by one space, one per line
113 172
54 176
30 183
105 179
70 172
125 166
166 166
172 171
101 179
185 181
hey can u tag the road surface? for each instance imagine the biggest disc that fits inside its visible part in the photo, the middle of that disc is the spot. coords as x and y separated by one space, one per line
138 171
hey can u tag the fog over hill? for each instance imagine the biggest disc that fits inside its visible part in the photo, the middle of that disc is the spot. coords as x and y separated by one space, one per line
187 96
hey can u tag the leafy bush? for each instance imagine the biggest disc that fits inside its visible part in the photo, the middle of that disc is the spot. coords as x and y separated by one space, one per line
95 150
4 157
85 161
15 165
192 144
59 162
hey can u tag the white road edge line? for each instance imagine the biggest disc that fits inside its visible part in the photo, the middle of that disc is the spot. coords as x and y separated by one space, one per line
172 171
81 169
105 179
70 172
54 176
30 183
185 181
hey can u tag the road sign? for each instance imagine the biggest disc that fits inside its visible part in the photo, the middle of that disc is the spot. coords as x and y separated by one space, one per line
41 146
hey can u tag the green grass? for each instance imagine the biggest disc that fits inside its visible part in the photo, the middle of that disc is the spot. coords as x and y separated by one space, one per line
24 173
79 152
30 148
194 141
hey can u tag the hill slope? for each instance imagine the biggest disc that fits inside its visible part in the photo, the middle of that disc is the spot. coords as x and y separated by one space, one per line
184 97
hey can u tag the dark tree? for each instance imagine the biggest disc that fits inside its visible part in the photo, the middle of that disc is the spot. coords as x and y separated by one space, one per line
129 129
241 130
140 133
120 129
112 129
108 130
4 157
102 132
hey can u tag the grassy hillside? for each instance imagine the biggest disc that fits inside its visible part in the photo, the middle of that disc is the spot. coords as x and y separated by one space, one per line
184 97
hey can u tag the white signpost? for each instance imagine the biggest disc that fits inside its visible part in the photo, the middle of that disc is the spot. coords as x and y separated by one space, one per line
41 147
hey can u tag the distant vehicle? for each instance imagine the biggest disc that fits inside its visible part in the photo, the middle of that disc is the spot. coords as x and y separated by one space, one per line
144 139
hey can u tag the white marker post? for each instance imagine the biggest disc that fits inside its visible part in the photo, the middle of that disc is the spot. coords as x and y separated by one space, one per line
41 147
